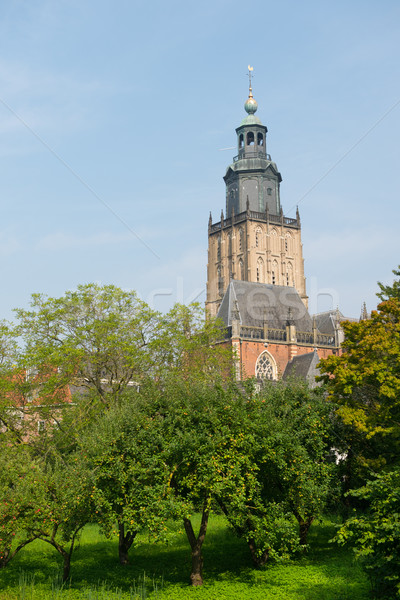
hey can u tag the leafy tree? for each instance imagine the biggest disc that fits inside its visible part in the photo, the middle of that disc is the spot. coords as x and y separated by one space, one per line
286 434
97 338
189 345
375 535
390 291
124 449
67 506
365 384
20 497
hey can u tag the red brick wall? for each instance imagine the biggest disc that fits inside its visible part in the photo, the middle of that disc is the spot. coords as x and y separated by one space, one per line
282 353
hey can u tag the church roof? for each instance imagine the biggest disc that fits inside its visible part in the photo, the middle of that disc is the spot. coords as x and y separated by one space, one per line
304 367
326 321
254 304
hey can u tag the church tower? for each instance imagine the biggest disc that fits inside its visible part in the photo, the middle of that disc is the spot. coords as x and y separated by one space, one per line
253 241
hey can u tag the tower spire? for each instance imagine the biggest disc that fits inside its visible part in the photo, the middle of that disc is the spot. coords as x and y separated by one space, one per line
250 105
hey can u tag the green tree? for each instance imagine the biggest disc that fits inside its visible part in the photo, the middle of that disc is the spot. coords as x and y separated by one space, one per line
124 448
97 338
365 384
285 432
375 534
390 291
67 505
20 496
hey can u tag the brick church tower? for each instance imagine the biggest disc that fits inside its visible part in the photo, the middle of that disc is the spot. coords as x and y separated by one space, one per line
255 272
254 241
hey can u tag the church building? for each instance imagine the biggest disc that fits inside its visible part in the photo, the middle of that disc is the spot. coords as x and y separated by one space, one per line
255 273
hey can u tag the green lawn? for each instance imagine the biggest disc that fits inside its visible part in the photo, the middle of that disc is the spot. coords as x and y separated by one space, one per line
325 573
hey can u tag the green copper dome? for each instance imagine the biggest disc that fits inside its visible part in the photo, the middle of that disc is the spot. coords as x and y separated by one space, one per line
250 106
251 120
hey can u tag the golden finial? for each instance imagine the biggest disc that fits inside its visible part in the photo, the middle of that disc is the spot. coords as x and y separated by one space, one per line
250 76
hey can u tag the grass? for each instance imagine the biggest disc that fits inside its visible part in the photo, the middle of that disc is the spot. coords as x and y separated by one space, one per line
162 572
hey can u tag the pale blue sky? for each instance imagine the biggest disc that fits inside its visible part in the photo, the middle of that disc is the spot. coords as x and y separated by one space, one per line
135 100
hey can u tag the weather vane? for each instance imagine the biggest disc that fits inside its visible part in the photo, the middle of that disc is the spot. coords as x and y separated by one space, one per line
250 75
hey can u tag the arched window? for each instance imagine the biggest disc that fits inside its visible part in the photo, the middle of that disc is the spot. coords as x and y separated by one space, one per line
274 274
266 366
250 138
258 237
241 240
260 139
274 241
241 141
288 243
289 274
260 270
241 270
219 248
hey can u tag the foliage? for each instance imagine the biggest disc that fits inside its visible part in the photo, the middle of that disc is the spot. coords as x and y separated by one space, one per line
390 291
286 435
365 383
124 450
44 499
97 338
188 347
375 535
67 506
20 496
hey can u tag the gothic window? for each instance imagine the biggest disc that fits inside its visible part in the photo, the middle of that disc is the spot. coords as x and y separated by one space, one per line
265 367
250 138
241 141
269 191
219 248
289 274
274 273
241 240
274 241
258 237
288 243
260 270
241 270
260 139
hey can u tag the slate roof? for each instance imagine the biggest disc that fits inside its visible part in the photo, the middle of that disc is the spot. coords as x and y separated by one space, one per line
303 366
255 303
325 321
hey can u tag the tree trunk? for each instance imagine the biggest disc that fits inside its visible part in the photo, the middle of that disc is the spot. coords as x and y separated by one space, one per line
66 566
304 527
196 543
125 541
5 558
258 560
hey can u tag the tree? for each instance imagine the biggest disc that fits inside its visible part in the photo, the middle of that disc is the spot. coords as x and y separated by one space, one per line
9 418
20 497
375 535
124 450
97 338
390 291
365 384
285 430
67 505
